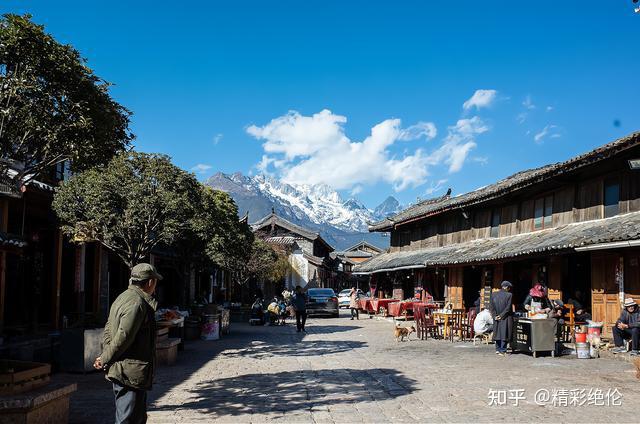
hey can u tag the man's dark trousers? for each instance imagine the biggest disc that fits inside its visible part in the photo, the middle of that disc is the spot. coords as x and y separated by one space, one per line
628 333
301 319
501 346
131 405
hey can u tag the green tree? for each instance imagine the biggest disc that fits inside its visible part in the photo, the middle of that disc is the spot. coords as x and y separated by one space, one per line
130 205
53 108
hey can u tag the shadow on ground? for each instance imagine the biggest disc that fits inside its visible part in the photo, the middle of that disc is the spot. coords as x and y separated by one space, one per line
318 328
259 349
293 391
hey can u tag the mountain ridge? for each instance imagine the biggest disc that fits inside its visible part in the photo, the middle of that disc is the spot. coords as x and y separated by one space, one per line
342 223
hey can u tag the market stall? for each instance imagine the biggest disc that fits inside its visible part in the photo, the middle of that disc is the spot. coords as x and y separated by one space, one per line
534 335
405 308
381 306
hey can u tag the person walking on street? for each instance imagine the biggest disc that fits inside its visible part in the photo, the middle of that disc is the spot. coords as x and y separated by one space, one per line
353 303
500 306
129 345
299 302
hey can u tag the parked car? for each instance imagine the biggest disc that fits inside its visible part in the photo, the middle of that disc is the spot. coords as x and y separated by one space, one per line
322 301
344 297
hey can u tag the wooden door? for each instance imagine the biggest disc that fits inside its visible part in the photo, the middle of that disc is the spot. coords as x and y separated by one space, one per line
455 287
605 304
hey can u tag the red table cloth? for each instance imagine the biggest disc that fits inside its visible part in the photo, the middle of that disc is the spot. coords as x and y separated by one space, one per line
398 309
382 303
365 305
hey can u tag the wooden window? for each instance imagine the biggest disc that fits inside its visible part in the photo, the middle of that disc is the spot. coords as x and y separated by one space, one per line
611 198
543 213
495 223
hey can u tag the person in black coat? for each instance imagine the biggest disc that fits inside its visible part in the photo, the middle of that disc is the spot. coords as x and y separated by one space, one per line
501 311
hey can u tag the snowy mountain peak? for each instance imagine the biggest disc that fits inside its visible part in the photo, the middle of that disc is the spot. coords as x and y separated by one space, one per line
318 207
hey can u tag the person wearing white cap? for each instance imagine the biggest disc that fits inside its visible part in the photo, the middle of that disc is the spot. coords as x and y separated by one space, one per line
627 327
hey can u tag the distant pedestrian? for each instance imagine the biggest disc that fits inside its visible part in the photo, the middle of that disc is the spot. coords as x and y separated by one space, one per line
129 345
353 303
299 302
500 306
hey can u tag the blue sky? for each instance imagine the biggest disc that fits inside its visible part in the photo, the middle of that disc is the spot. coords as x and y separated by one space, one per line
224 84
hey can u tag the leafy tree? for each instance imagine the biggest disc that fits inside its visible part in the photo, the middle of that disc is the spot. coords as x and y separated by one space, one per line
53 108
129 205
265 263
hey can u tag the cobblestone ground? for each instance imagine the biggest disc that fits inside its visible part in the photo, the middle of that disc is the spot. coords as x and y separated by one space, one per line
353 371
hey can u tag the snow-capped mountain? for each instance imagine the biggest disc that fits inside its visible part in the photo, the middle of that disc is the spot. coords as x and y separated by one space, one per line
319 207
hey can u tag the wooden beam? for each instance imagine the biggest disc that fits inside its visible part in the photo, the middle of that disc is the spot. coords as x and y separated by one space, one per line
97 268
57 279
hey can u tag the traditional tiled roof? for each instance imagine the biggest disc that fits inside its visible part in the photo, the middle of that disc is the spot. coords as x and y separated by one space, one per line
273 219
9 240
363 244
515 182
619 228
282 240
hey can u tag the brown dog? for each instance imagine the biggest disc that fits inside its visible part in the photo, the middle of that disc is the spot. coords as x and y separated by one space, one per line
401 332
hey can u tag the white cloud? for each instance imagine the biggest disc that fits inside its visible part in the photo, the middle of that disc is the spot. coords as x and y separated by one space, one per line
315 149
528 103
295 135
480 99
356 190
549 108
482 160
435 187
522 117
549 130
427 130
217 138
201 168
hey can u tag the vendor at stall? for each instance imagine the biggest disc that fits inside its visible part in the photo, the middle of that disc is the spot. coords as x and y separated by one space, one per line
537 300
627 327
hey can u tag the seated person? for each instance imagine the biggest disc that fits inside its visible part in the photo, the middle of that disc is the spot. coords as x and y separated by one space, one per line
483 323
557 310
582 315
537 300
477 304
577 300
627 327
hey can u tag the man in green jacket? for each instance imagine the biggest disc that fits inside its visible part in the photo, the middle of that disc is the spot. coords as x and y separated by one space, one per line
129 345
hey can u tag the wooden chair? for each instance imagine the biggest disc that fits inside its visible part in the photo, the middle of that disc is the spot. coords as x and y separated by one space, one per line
467 325
425 326
456 323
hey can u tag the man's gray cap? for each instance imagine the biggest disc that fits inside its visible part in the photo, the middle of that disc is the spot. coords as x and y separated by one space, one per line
143 272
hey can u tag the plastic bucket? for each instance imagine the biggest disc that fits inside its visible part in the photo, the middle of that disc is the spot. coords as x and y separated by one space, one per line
594 331
210 327
583 350
581 337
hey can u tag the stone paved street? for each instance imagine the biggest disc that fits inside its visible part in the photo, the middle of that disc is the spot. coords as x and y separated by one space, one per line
353 371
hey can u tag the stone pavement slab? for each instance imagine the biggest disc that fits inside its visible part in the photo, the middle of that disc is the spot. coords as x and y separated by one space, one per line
345 371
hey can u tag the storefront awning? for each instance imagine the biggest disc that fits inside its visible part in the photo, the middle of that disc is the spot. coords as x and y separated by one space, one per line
575 236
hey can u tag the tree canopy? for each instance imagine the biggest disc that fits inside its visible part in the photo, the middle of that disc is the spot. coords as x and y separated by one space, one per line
53 108
130 205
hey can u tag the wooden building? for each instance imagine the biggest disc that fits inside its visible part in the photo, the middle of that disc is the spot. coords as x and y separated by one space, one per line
309 253
574 225
48 283
346 260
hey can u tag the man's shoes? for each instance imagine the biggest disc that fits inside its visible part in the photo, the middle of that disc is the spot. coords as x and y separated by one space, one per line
497 352
634 353
502 354
351 318
618 349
